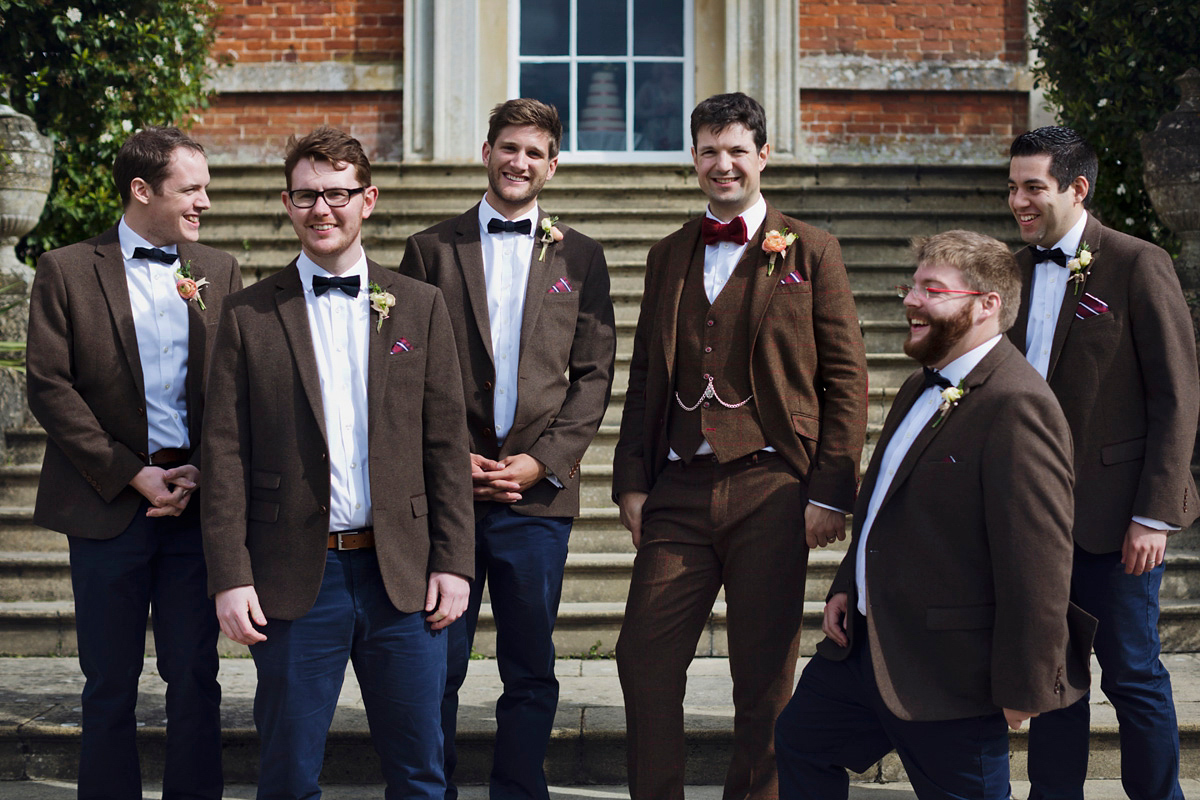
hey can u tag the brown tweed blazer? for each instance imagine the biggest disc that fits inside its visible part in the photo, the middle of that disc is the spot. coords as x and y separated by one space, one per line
266 508
1127 381
808 369
85 383
568 340
969 562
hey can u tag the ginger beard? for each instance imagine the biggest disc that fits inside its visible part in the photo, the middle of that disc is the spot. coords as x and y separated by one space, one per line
940 336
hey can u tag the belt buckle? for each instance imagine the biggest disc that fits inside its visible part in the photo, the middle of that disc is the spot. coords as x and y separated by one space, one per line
339 541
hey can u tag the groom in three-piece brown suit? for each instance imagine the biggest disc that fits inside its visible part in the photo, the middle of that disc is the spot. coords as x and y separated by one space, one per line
337 525
116 374
533 322
949 615
739 449
1103 319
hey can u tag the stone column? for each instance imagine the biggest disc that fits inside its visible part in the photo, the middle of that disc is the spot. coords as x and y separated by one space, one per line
761 52
441 80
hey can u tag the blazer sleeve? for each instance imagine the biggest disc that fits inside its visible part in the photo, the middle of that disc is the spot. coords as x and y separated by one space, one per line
1026 468
841 380
1166 351
226 460
590 372
69 421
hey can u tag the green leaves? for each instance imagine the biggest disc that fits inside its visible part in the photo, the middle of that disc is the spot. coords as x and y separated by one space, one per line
90 72
1110 66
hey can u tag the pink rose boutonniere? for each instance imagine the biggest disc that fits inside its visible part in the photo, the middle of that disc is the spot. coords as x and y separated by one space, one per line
776 243
187 286
549 234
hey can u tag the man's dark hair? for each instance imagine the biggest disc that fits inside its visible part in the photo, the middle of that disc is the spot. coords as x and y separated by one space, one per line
1070 155
523 111
722 110
147 155
331 146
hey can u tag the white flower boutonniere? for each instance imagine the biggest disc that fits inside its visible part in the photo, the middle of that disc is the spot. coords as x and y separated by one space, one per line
187 286
549 234
950 397
776 243
1080 266
381 302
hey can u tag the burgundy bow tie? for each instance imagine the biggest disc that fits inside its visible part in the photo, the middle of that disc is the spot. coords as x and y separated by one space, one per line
733 231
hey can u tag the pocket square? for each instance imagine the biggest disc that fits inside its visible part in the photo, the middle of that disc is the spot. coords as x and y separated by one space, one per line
1090 306
561 286
401 346
791 277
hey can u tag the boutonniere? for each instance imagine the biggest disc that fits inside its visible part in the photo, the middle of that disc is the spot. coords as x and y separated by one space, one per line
549 234
381 302
950 397
1080 266
776 243
187 286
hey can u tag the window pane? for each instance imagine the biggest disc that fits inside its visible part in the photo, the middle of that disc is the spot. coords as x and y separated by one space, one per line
602 107
659 31
545 27
550 83
658 107
602 28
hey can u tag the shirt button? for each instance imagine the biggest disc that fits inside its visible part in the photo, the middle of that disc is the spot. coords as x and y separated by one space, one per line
357 506
166 386
501 391
353 465
166 349
1047 316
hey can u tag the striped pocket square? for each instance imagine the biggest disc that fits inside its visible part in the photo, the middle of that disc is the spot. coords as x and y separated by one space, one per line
1090 306
561 286
401 346
791 277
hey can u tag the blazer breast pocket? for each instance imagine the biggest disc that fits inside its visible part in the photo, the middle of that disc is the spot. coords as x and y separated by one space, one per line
794 288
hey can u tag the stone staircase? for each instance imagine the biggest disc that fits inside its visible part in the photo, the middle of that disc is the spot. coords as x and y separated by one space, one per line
874 210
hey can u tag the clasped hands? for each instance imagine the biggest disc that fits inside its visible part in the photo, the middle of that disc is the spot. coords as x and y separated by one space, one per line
504 480
168 490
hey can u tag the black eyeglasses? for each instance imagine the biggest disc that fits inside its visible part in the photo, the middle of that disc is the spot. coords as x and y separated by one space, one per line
930 292
334 198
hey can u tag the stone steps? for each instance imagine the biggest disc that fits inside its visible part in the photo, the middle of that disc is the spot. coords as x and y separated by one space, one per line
39 727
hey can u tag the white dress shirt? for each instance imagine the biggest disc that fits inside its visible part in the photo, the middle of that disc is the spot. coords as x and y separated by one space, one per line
341 328
506 259
1050 283
160 320
915 421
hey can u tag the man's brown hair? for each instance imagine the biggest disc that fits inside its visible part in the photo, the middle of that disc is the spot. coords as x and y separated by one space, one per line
330 145
986 265
527 111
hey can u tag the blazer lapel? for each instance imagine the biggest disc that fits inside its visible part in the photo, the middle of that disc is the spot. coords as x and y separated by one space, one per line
764 285
469 250
541 275
1020 329
197 344
1066 313
293 314
668 310
110 271
379 347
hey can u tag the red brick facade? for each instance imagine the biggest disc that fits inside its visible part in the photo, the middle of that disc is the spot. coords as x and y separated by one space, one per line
257 31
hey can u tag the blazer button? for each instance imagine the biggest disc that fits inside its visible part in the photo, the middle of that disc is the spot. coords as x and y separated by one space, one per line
323 509
487 431
141 411
487 385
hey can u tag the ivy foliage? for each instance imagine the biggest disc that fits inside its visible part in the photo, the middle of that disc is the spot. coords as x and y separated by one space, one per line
1110 66
89 73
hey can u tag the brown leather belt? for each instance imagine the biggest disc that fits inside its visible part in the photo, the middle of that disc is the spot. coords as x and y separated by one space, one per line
168 455
352 540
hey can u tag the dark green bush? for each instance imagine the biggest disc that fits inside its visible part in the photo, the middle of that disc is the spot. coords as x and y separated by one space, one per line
90 72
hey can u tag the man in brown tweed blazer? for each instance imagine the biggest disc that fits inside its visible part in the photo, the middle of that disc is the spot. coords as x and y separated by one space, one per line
739 449
116 371
337 525
534 326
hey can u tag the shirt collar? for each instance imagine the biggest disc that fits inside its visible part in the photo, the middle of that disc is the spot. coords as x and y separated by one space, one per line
308 268
1069 243
487 213
752 216
131 239
958 369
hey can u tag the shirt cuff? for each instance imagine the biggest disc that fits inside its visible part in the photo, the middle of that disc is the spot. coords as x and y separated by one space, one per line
831 508
1156 524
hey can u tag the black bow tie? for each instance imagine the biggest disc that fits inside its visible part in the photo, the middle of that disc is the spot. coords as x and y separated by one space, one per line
497 225
154 254
321 285
935 378
1055 255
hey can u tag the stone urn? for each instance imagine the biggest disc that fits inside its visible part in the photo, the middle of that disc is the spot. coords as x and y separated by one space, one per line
1171 153
26 162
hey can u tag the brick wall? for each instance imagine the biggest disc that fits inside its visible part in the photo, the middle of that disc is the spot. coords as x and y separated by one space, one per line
255 31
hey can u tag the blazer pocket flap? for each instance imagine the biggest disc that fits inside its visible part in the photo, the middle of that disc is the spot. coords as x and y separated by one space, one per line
1123 451
263 511
960 618
260 479
806 426
420 506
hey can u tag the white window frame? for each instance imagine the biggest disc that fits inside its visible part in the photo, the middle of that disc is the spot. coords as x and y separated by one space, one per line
629 60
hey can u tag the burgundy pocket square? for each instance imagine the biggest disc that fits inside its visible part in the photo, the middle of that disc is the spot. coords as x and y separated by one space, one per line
561 286
1090 306
401 346
791 277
